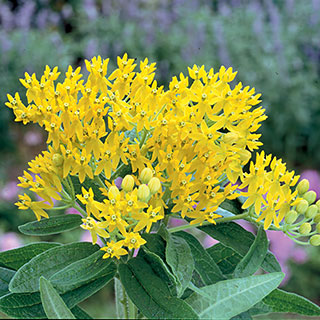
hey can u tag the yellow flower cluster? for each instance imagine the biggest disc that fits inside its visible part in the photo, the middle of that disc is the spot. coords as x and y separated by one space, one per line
185 145
269 191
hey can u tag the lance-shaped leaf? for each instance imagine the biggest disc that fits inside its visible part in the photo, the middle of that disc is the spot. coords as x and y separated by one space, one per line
83 271
229 298
160 268
16 258
282 301
226 258
205 266
5 276
150 293
53 225
233 206
53 305
234 236
252 261
180 259
48 263
28 305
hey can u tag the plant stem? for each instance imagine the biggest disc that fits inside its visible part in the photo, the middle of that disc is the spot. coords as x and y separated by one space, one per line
62 207
221 220
143 137
125 307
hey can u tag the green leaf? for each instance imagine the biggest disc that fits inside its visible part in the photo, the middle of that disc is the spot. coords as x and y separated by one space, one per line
53 225
282 301
234 236
5 277
28 305
155 244
225 257
179 258
205 266
48 263
229 298
150 293
52 303
79 313
83 271
252 261
233 206
160 268
16 258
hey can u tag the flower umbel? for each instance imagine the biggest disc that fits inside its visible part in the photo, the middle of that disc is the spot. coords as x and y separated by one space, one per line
181 149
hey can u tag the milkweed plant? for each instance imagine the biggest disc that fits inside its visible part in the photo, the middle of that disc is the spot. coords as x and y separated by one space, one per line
129 155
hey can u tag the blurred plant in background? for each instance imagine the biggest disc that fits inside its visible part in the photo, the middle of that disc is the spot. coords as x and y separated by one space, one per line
275 46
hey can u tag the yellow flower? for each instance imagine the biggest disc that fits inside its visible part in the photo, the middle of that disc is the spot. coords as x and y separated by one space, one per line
133 240
37 207
95 228
114 249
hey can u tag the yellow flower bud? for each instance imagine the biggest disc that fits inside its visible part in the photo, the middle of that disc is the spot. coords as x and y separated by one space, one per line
57 159
127 183
316 219
146 175
318 227
154 185
318 204
305 228
303 186
113 192
315 240
291 217
311 212
143 192
302 206
310 196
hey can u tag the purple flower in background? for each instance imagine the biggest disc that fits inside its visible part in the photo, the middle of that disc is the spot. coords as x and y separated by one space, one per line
209 242
9 191
314 179
72 211
118 182
86 237
9 241
284 249
32 138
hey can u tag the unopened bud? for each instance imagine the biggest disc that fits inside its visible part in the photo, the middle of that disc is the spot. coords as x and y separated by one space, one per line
57 159
154 185
311 212
113 192
146 175
316 219
318 228
305 228
315 240
127 183
291 217
143 192
310 196
302 206
318 204
303 186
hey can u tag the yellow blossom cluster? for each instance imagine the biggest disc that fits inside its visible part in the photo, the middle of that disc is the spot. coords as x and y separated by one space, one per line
182 148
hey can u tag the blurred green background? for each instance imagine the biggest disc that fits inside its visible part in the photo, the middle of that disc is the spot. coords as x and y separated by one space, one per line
273 44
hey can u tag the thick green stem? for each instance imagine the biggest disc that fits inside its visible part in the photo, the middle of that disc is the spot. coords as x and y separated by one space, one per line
124 306
62 207
221 220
